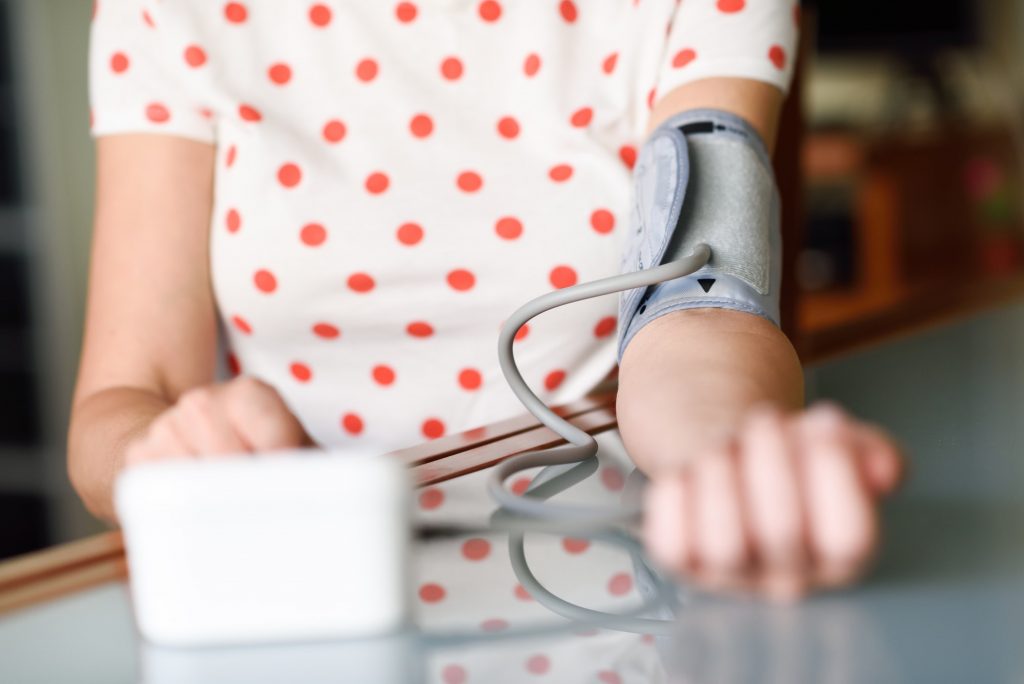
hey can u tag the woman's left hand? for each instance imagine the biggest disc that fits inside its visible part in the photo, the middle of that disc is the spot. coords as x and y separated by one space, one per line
786 506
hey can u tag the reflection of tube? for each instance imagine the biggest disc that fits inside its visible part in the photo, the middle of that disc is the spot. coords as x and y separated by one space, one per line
388 660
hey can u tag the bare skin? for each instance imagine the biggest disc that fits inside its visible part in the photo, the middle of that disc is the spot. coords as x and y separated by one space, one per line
749 492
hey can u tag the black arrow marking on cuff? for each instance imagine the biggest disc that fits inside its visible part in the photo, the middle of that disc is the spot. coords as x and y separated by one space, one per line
706 283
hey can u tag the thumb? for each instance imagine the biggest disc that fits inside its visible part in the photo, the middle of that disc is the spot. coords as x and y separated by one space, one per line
884 464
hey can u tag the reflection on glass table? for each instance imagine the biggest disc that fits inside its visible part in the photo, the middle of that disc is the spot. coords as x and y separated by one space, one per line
945 602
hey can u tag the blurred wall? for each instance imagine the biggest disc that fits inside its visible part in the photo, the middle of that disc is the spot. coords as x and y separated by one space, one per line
51 41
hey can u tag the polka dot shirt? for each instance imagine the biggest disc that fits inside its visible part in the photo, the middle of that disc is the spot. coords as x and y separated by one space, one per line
395 178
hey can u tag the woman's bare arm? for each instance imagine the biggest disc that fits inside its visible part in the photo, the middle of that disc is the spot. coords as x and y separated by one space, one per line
150 330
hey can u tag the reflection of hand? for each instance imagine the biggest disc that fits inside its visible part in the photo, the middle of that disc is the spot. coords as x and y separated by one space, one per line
240 416
785 506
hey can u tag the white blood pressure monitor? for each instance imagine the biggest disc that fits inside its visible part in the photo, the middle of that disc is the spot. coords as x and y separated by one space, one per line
301 545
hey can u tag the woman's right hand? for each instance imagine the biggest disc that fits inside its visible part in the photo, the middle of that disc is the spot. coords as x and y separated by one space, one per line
244 415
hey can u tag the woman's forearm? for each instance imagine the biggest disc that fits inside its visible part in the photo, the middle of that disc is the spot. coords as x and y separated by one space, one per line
102 424
687 379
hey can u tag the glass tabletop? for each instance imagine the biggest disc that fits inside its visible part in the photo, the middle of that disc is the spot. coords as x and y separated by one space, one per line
945 602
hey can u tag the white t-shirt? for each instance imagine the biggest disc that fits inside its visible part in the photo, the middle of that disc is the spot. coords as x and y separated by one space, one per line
395 178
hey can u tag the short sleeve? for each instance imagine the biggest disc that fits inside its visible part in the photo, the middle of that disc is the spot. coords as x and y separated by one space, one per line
753 39
144 77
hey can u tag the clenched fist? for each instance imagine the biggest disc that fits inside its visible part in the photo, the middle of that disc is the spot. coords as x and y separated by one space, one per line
789 504
241 416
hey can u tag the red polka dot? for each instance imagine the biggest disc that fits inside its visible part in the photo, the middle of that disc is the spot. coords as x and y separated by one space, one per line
602 220
574 545
476 549
301 372
279 73
461 279
567 9
229 158
241 324
265 281
409 233
366 70
532 64
560 173
562 276
553 379
383 375
627 153
195 56
234 367
490 10
360 282
352 423
451 68
620 584
470 379
421 125
419 329
249 113
605 326
326 331
522 332
508 127
521 593
494 625
119 63
320 15
431 593
405 11
508 227
233 220
206 112
453 674
581 117
148 19
334 131
157 113
432 428
608 677
313 234
431 498
612 479
730 6
469 181
608 65
538 664
684 57
650 98
289 175
235 12
377 182
520 485
777 55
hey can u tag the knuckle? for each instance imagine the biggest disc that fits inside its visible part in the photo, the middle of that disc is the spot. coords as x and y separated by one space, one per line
196 401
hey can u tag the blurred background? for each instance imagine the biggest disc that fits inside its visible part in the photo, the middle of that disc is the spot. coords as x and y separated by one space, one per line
900 167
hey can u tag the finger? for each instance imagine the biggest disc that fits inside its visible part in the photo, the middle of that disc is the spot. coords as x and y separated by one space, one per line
163 439
261 418
884 464
202 421
774 503
722 550
668 522
841 516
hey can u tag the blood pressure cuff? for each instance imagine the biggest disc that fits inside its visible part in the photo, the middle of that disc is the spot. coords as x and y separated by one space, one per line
703 176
